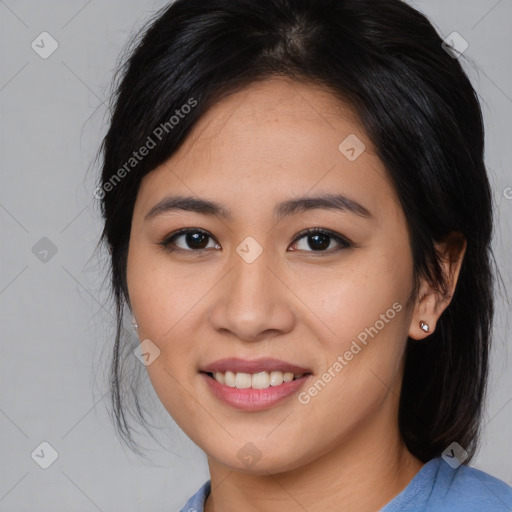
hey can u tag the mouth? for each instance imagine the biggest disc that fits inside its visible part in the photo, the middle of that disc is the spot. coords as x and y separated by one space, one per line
253 385
260 380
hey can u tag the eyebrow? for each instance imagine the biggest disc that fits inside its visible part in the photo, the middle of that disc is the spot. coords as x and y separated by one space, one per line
335 202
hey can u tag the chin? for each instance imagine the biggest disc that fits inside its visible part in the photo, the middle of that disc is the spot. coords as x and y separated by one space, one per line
258 458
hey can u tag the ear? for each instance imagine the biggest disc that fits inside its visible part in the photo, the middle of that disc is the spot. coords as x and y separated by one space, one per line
431 302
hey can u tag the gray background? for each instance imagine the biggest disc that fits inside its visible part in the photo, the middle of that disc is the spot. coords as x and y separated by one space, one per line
56 329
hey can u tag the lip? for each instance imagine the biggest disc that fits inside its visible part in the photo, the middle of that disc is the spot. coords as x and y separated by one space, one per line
250 399
238 365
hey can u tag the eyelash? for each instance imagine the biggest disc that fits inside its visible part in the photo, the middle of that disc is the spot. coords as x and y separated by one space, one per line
168 241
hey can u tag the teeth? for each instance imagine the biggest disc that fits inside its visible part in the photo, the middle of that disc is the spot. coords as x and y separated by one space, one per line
287 377
261 380
229 379
276 378
243 380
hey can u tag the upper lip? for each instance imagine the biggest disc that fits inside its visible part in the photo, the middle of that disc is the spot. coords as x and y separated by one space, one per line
237 365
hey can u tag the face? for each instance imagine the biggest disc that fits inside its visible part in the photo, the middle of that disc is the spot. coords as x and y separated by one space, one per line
277 345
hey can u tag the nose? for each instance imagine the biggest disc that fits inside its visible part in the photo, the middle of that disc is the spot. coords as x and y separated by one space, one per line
252 302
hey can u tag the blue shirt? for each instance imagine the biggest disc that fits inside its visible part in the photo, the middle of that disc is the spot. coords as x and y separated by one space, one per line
437 487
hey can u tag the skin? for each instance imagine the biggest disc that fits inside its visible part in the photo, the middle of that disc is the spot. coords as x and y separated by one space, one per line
273 141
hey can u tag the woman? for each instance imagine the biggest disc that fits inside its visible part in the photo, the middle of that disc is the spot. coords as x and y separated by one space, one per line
299 219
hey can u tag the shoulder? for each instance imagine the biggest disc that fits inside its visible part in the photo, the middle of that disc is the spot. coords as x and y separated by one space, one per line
438 487
467 488
196 502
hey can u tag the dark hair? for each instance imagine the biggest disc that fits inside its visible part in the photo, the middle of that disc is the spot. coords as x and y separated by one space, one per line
418 108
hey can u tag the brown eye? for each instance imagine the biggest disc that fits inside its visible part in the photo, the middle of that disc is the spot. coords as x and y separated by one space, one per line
318 240
190 240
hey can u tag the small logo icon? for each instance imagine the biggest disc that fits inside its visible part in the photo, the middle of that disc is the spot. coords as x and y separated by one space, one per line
249 249
454 455
146 352
249 455
44 455
44 250
44 45
352 147
455 45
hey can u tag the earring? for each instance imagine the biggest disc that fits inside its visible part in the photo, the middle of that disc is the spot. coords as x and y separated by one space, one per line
424 326
134 324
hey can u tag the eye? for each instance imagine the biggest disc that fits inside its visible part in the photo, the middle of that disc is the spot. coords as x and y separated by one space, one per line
319 239
194 239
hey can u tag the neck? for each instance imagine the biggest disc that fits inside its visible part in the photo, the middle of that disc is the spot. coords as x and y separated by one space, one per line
363 473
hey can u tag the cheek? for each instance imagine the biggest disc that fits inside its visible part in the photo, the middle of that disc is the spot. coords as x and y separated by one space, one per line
355 295
364 306
161 294
166 301
163 302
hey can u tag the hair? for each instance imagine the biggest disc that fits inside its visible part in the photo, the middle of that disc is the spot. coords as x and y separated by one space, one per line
417 106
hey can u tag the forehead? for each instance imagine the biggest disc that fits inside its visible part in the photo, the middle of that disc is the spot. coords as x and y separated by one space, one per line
287 97
272 137
279 102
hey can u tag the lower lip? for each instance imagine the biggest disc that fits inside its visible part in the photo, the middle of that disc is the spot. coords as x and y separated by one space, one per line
250 399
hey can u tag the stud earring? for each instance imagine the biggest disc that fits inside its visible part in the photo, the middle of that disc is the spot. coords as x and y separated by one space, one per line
424 326
134 324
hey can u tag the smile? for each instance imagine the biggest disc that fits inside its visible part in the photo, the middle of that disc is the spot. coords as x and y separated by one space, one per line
253 385
261 380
